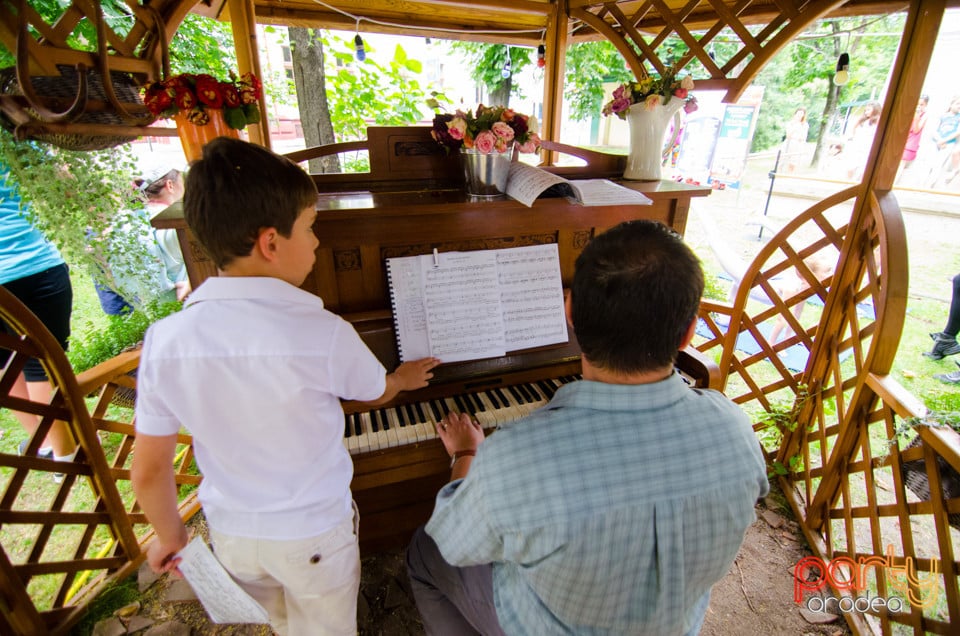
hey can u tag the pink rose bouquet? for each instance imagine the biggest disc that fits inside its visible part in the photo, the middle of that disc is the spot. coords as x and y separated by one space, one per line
651 92
491 128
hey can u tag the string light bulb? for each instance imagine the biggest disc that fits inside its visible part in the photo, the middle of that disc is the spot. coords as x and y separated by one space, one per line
358 45
843 70
541 56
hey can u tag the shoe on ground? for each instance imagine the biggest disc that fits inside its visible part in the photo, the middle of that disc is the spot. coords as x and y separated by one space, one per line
44 454
949 378
943 346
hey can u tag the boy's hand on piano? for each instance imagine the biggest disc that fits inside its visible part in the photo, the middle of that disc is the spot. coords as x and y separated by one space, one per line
460 432
415 374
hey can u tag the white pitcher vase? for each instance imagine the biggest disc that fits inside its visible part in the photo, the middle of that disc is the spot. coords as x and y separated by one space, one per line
647 127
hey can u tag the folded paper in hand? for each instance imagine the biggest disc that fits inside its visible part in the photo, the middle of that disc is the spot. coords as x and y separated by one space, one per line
224 600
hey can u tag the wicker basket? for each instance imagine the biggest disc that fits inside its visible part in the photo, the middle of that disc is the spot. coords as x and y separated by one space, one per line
915 478
64 86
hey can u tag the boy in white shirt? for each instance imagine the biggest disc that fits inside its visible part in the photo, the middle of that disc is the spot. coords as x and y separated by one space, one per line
255 369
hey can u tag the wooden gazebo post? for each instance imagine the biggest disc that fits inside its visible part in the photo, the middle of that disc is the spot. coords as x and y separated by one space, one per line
248 60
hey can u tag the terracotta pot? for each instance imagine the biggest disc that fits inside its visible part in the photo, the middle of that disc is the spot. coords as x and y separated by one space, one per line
194 138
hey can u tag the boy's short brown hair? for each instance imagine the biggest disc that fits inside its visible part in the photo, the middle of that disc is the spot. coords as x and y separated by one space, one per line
238 189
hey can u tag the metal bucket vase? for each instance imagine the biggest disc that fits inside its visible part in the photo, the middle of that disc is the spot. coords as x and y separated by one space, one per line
647 128
486 174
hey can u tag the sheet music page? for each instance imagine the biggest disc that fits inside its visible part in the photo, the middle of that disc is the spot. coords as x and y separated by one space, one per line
409 315
605 192
224 600
531 296
525 183
461 299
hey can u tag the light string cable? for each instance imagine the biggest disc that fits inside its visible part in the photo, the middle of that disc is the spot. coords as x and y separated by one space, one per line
396 25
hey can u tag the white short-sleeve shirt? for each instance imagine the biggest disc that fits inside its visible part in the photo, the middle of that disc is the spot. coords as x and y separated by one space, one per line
254 369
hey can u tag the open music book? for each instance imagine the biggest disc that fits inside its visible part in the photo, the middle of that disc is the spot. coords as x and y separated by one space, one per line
470 305
526 183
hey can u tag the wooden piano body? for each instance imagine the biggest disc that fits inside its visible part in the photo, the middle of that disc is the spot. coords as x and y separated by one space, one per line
412 202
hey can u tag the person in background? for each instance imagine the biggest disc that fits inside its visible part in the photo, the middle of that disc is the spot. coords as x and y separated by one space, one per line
32 270
161 187
913 136
255 369
945 342
164 187
795 138
821 267
584 516
947 162
857 148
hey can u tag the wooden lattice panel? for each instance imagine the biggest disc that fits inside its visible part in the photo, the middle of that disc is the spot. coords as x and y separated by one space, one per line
892 504
63 540
784 290
655 35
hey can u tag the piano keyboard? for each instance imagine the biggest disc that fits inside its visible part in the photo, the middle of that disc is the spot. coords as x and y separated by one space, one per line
404 424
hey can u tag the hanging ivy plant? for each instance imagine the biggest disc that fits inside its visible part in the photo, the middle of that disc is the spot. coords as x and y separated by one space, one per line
85 204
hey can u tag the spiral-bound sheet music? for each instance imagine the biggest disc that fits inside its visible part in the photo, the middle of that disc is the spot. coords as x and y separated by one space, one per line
470 305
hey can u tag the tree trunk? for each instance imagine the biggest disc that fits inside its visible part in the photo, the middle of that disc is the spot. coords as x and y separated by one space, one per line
306 48
833 97
501 96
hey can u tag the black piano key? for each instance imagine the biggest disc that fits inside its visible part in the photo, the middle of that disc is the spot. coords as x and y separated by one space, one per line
401 418
493 399
504 402
421 417
546 389
374 422
346 426
436 408
516 395
461 405
477 403
535 392
470 403
357 424
527 392
384 422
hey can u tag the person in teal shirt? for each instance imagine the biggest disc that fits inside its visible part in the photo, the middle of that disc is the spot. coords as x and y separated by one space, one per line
32 269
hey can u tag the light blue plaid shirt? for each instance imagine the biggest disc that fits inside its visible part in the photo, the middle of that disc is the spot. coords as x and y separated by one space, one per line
611 510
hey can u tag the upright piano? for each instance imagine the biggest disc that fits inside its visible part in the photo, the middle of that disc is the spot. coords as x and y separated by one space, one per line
411 202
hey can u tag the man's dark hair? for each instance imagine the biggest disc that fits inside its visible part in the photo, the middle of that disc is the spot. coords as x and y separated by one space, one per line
636 289
238 189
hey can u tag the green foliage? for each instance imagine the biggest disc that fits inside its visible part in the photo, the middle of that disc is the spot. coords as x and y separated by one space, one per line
94 345
363 93
487 62
712 288
801 74
932 419
117 595
589 65
203 45
84 204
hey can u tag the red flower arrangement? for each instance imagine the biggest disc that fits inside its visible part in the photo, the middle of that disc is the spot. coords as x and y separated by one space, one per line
194 94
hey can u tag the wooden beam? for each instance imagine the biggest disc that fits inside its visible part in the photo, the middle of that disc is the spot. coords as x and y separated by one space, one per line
248 59
553 76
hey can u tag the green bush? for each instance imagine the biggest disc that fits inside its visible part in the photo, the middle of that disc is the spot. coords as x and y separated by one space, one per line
94 346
